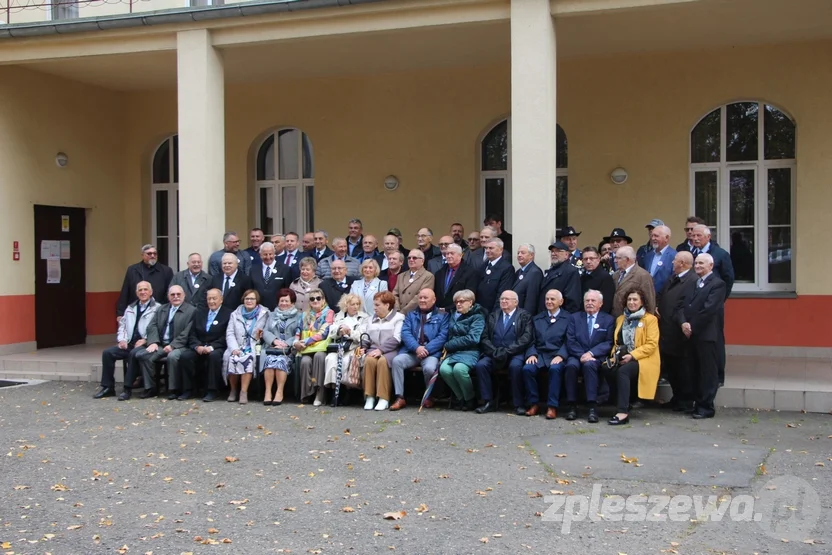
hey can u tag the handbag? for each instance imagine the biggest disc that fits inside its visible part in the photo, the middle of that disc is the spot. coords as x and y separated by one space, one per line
333 346
278 351
613 362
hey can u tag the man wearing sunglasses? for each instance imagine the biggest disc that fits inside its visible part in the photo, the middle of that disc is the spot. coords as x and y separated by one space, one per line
687 244
150 270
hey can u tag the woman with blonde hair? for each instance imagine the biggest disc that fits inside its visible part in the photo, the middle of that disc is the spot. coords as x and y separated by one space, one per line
367 288
348 326
306 282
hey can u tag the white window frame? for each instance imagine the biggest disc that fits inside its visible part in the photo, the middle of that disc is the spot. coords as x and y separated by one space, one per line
277 185
69 8
761 167
172 189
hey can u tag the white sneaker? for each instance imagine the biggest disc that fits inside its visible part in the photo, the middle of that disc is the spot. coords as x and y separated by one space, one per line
368 404
382 405
316 403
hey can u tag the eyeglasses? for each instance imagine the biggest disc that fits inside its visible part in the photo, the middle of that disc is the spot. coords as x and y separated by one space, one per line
460 301
254 299
688 229
174 294
315 298
444 244
152 254
414 257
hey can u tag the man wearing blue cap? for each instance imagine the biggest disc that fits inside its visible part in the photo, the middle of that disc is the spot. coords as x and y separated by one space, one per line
561 276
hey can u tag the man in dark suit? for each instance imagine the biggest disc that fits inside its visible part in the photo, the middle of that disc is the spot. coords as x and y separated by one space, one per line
452 277
437 262
232 282
322 249
724 268
673 345
167 336
589 341
337 285
268 276
562 276
658 261
508 333
596 277
291 254
547 352
369 251
206 347
496 221
527 279
194 281
256 237
495 277
155 273
355 238
477 257
687 244
701 326
631 277
424 242
569 237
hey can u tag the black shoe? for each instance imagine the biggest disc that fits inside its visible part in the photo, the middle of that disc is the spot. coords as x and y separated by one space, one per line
104 392
487 407
210 395
172 395
148 393
469 405
615 421
126 394
186 395
700 414
690 409
572 413
636 405
277 403
593 417
520 411
684 407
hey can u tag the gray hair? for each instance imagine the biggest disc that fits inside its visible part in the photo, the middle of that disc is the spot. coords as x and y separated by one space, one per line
453 247
703 228
706 257
230 256
420 253
491 228
663 229
685 257
528 246
557 293
511 292
267 245
147 247
338 240
356 221
497 242
596 292
464 295
228 234
309 261
627 252
322 232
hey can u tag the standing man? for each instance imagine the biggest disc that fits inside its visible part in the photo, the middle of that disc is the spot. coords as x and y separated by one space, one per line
508 333
396 232
701 326
496 221
452 277
562 276
355 238
409 283
477 257
339 252
207 345
391 245
673 344
255 239
336 285
435 264
150 270
279 242
424 240
231 282
569 237
291 254
322 249
308 244
596 277
690 223
268 277
617 239
394 269
458 234
527 279
473 241
631 277
494 277
167 336
130 337
369 251
659 259
231 245
193 281
648 246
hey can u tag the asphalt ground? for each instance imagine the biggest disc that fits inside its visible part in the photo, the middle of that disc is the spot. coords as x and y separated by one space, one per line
84 476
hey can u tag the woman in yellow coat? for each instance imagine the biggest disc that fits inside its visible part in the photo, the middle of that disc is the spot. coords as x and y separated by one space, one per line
638 331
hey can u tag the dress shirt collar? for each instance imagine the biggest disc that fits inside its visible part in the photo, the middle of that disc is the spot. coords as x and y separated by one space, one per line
555 315
510 314
494 262
232 276
680 276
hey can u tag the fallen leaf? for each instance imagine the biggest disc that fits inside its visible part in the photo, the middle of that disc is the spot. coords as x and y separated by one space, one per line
213 531
75 527
231 459
496 535
683 471
238 502
18 488
819 464
59 487
189 492
628 460
484 540
289 509
813 542
422 508
763 469
123 549
534 494
561 455
395 515
225 540
348 510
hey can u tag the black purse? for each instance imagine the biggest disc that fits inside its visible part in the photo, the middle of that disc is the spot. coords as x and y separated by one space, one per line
613 362
346 342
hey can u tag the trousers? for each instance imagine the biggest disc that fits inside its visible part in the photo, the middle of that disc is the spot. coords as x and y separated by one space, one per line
403 361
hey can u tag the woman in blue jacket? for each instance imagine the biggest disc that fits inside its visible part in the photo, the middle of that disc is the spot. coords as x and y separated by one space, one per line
462 349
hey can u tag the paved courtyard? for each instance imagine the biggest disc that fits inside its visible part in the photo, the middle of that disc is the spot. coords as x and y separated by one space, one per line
79 476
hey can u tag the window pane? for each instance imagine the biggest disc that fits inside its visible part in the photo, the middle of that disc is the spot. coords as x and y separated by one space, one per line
704 139
780 196
161 163
290 208
495 149
266 221
164 252
562 151
265 160
741 197
495 197
161 213
310 208
742 253
705 196
779 255
562 206
287 151
779 134
741 128
308 160
176 159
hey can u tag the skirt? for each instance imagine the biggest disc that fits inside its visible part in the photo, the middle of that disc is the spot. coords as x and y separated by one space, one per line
242 364
279 362
332 370
311 373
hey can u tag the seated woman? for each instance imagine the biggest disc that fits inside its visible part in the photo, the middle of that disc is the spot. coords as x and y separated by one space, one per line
245 326
367 288
350 323
385 331
462 349
277 359
311 342
638 331
305 283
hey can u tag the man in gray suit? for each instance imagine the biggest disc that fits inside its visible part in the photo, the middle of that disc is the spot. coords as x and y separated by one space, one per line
339 252
194 281
167 336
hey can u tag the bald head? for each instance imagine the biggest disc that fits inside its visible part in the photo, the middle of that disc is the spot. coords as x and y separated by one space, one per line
426 299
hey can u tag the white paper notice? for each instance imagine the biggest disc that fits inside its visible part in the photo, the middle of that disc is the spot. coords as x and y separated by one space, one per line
64 250
50 250
53 271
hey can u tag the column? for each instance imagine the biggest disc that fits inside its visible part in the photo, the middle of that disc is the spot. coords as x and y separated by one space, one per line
533 126
201 104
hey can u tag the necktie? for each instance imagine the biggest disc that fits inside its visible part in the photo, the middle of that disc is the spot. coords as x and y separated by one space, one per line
621 276
411 275
267 276
289 259
211 316
505 321
695 252
169 334
590 323
448 278
136 335
226 286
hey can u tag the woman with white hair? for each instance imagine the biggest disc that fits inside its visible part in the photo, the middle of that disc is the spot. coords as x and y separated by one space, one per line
367 288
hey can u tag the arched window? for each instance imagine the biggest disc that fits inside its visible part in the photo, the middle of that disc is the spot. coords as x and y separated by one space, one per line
742 183
495 174
164 203
285 174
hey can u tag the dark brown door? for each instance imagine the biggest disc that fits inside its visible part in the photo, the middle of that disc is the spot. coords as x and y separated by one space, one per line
60 276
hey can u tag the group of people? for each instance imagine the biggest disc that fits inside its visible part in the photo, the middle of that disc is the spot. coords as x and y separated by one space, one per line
351 315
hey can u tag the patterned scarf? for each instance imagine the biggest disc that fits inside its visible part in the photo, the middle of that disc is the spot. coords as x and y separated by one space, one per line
628 330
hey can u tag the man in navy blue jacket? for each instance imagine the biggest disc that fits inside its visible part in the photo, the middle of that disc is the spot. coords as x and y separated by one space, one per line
424 333
548 352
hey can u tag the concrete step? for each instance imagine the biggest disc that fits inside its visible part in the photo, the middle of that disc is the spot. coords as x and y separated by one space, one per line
59 375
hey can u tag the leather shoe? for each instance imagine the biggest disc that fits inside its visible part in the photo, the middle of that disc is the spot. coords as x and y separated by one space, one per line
690 409
172 396
572 413
615 421
210 395
138 382
487 407
683 407
533 410
428 403
125 396
551 413
469 405
593 417
399 404
699 415
104 392
520 411
148 393
185 396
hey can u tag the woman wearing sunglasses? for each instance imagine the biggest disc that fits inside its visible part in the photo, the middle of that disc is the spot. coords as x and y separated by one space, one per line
311 342
244 329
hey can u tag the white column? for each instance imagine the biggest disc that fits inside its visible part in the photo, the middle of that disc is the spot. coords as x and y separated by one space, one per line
201 106
533 126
